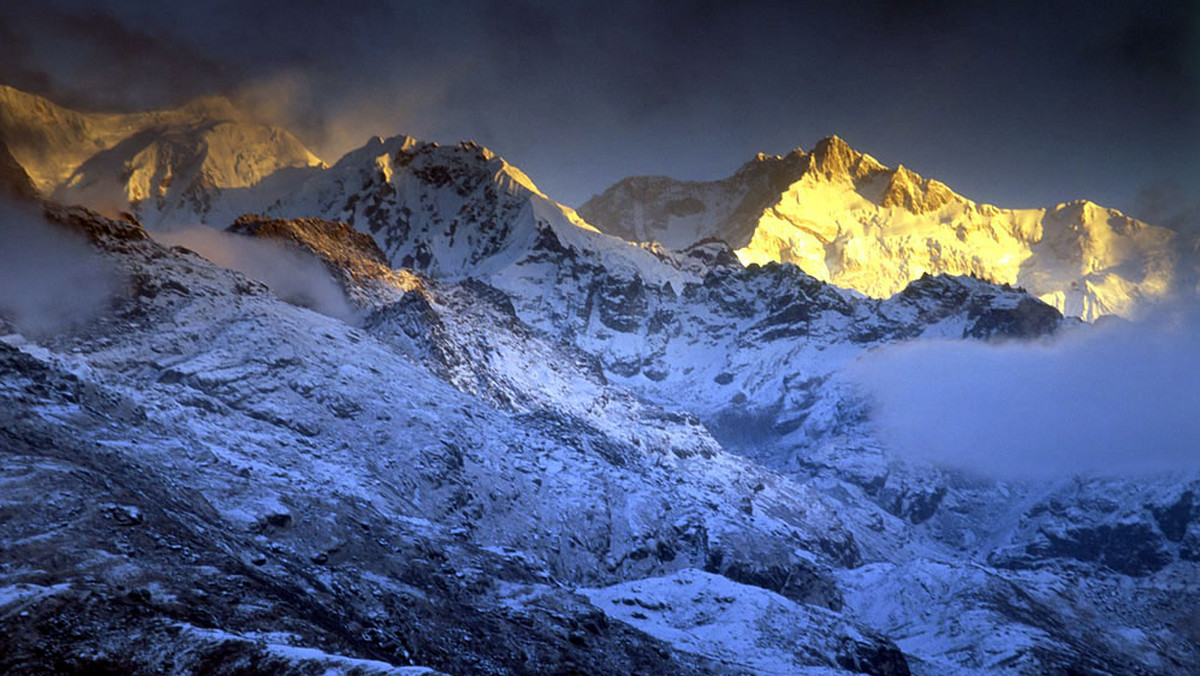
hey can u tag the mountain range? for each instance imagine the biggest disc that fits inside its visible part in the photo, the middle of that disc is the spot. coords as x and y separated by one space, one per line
524 439
843 217
836 213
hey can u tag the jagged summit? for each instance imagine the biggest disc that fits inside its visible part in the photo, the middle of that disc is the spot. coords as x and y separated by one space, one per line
616 457
405 149
679 213
211 107
454 211
907 190
832 157
847 219
836 212
161 165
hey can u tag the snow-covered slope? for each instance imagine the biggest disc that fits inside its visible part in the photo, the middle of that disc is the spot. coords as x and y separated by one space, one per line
167 166
837 213
843 217
757 353
454 211
312 460
265 485
531 447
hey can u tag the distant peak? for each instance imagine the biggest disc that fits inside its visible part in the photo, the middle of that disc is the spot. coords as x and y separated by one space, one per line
834 157
1086 210
13 94
405 151
831 141
378 145
769 157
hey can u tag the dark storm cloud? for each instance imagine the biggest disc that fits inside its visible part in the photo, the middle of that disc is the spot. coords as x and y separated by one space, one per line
1170 203
91 59
1156 43
1016 103
17 64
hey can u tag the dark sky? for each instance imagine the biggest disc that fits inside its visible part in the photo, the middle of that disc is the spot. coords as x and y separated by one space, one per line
1019 104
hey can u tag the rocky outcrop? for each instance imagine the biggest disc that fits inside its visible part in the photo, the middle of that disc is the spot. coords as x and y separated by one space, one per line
101 230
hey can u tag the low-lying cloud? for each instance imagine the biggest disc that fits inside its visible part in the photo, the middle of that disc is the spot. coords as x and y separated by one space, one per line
51 279
295 277
1114 399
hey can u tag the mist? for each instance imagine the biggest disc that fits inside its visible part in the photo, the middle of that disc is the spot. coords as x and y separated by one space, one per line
51 279
294 276
1114 399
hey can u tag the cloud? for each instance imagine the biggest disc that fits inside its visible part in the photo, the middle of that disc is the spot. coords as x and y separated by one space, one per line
294 276
84 57
1168 203
582 93
51 279
1112 399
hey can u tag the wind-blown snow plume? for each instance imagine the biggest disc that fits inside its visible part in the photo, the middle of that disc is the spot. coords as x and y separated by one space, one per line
50 279
295 277
1114 399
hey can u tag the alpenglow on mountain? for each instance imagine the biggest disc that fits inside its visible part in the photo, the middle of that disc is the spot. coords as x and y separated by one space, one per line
843 217
411 416
838 214
170 166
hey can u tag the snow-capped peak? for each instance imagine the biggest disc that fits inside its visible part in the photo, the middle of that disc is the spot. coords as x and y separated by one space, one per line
833 157
166 166
845 218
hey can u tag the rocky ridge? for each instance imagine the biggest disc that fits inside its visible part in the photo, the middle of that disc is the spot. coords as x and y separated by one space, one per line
529 429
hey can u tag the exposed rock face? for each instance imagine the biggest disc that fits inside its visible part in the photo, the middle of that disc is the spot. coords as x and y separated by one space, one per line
102 231
1093 524
339 243
251 404
843 217
1028 318
835 212
913 193
544 450
1174 519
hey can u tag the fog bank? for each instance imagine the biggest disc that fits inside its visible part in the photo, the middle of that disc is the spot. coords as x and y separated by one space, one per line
50 278
295 277
1112 399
